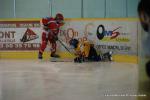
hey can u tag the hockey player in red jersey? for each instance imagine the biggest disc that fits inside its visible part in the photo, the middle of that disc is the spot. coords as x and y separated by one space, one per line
50 33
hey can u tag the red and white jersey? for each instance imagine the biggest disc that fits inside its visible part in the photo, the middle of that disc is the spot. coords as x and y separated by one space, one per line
51 24
45 20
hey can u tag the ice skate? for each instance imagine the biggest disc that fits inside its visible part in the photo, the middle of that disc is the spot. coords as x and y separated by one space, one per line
110 56
40 56
55 55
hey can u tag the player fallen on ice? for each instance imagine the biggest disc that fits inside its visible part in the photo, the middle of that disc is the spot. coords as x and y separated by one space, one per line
86 52
50 33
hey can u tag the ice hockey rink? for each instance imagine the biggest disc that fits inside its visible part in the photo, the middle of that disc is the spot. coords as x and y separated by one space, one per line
45 80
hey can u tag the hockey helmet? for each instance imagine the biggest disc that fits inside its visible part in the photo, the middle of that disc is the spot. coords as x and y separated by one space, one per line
59 17
74 43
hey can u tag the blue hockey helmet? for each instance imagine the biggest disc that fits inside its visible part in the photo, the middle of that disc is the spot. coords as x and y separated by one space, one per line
74 43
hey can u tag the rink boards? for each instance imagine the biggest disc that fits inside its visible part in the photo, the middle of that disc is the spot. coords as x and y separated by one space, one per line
20 38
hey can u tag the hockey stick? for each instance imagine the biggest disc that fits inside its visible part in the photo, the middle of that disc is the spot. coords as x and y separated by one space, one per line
65 47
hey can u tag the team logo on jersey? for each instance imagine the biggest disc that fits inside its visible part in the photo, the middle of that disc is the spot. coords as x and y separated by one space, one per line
29 35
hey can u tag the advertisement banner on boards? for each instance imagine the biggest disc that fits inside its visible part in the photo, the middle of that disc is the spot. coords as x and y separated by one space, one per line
107 35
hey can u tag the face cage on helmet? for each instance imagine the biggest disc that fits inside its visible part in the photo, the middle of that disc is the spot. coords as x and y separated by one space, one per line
73 43
59 20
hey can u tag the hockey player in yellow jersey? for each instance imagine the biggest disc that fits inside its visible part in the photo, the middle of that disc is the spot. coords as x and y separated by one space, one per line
85 51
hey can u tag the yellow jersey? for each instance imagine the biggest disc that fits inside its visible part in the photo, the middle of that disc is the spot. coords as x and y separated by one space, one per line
83 48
